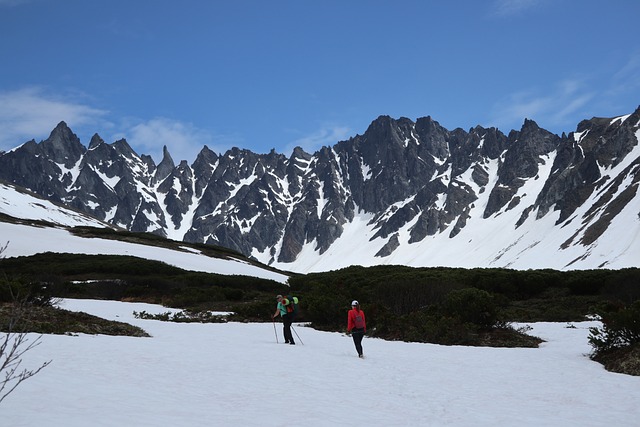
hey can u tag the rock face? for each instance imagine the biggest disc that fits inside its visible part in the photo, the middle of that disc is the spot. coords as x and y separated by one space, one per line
413 180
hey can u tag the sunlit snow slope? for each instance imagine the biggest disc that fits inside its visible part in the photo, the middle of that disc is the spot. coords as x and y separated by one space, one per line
24 240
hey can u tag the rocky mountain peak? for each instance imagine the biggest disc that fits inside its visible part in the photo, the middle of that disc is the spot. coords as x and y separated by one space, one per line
205 157
400 188
61 129
299 154
96 141
123 148
63 146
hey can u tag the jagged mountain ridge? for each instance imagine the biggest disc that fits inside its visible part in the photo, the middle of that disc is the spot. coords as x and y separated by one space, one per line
404 192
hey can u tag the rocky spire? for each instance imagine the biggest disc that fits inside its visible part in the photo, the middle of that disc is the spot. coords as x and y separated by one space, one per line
165 167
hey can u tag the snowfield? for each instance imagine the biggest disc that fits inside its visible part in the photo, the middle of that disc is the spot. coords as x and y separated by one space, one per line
235 374
25 240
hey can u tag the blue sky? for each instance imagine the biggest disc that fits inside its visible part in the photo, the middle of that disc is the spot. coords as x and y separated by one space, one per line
265 75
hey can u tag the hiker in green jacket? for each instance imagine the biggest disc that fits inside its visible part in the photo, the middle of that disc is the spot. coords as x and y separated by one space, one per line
287 318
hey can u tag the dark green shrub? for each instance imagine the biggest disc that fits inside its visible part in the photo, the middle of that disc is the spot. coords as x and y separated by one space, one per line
620 329
431 328
584 285
404 294
233 294
191 297
7 291
34 293
183 316
323 311
473 306
254 311
622 285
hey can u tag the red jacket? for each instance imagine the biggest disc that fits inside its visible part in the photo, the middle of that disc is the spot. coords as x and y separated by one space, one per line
351 319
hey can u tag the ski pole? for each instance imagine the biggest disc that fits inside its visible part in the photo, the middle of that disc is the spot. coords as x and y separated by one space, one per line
274 329
296 332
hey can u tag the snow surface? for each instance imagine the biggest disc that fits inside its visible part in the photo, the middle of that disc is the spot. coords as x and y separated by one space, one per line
26 240
29 206
235 374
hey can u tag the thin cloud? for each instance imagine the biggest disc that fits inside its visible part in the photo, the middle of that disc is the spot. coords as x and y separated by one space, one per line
119 29
183 140
325 136
557 108
561 107
11 3
628 77
32 113
505 8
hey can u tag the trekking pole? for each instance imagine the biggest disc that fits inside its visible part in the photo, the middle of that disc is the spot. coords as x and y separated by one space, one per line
295 332
274 330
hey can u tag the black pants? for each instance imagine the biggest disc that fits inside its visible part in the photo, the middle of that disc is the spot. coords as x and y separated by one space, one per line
287 319
357 335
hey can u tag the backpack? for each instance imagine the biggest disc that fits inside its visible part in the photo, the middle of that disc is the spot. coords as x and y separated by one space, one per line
292 305
358 321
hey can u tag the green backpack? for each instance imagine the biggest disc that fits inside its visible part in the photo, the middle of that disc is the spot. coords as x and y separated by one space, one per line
292 306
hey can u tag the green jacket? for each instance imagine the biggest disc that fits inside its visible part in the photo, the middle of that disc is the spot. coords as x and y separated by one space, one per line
282 306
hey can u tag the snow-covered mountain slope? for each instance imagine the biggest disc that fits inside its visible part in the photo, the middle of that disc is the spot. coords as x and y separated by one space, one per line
23 238
496 241
22 204
404 192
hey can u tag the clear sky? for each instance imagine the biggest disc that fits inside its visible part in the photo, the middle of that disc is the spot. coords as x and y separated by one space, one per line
260 74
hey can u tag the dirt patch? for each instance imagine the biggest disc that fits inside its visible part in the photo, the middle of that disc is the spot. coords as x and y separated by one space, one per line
52 320
623 360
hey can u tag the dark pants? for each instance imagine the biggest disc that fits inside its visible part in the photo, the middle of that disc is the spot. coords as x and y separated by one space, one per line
287 319
357 335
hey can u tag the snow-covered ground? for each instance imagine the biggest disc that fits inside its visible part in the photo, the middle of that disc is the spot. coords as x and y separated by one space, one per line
30 206
235 374
25 240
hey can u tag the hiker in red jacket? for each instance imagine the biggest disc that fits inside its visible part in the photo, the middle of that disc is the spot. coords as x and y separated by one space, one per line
356 326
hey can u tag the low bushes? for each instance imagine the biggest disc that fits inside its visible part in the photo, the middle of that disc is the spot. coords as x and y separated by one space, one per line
467 316
616 344
133 279
620 328
183 316
439 305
